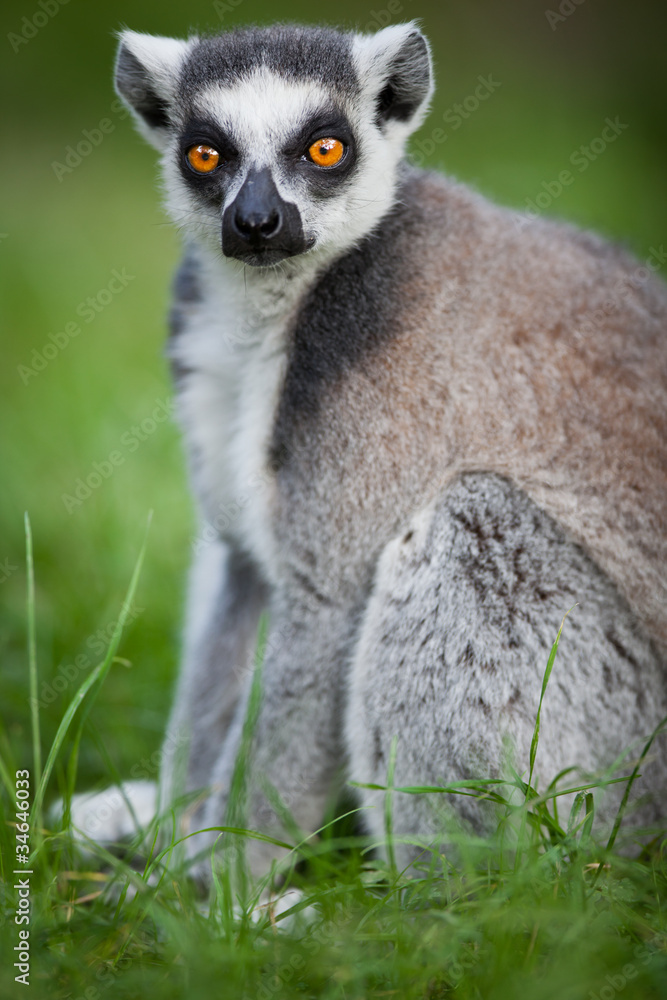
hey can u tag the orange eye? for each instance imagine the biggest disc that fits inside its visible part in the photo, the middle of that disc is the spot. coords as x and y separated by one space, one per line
326 152
203 159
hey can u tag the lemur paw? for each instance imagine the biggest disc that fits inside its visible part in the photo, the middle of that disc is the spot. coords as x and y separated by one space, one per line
105 817
272 905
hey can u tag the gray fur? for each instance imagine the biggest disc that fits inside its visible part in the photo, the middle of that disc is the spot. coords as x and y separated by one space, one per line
221 653
291 51
419 442
451 656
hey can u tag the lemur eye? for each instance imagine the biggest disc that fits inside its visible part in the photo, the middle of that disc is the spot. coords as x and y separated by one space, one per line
326 152
203 159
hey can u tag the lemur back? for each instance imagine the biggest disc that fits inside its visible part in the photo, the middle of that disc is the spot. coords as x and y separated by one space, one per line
394 394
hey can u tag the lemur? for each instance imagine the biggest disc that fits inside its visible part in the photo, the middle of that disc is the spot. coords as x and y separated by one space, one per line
420 428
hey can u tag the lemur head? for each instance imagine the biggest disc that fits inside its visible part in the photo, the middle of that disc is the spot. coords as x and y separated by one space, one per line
282 141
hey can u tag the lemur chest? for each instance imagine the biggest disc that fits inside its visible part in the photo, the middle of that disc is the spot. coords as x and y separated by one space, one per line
232 355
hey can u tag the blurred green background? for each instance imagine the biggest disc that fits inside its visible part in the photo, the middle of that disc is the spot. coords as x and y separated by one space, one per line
562 70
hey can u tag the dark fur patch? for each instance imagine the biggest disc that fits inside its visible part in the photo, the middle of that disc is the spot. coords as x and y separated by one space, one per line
408 83
291 51
349 314
186 292
133 83
210 187
329 121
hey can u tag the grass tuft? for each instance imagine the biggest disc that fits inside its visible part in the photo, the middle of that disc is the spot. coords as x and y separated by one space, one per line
550 912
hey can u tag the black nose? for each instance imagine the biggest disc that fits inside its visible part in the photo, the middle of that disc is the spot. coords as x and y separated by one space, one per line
256 217
259 227
258 224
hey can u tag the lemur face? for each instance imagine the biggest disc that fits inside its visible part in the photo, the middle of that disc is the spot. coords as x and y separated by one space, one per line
278 143
268 162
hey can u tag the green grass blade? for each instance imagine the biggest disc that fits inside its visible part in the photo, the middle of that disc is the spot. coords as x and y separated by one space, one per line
96 676
6 780
388 804
529 791
32 659
559 792
628 788
63 728
116 779
469 783
545 680
237 802
234 830
572 825
590 816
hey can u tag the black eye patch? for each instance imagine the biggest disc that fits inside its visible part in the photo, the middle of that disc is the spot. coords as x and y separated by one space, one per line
205 132
329 123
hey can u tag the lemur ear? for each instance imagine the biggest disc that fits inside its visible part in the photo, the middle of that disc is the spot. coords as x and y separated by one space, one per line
394 68
146 77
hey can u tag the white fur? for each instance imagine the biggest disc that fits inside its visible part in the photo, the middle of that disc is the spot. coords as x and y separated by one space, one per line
372 54
236 344
105 817
204 587
163 58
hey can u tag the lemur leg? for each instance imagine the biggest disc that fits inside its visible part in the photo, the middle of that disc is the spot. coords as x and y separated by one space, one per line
297 742
225 601
452 651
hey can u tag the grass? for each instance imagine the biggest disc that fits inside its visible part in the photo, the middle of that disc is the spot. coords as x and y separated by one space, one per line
545 912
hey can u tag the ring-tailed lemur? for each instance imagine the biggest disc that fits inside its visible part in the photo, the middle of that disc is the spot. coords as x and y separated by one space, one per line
421 427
